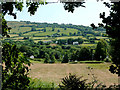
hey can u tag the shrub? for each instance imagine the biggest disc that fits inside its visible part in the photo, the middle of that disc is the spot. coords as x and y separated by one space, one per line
107 60
72 82
38 84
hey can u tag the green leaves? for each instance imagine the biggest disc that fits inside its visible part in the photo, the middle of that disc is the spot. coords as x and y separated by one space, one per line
112 69
72 82
19 6
8 7
70 6
101 50
32 7
5 28
15 68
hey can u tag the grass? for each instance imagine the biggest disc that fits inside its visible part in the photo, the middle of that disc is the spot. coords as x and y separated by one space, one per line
13 35
39 28
18 37
101 37
20 29
91 61
85 45
32 33
67 37
55 72
39 37
44 33
100 66
38 83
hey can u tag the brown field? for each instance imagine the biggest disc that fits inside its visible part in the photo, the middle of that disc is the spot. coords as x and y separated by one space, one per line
54 72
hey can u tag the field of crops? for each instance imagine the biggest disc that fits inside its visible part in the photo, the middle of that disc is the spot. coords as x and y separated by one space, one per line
21 29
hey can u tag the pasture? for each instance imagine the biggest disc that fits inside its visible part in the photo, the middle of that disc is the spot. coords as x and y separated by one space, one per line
54 72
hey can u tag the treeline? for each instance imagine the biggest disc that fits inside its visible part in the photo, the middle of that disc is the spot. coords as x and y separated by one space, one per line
54 25
63 53
68 41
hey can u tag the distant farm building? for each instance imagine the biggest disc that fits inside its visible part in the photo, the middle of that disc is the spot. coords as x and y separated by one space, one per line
32 57
75 43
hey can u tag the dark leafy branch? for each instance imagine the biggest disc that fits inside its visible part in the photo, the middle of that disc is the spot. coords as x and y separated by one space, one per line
15 71
70 6
112 25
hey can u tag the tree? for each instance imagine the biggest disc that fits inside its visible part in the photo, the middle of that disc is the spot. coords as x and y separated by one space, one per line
44 30
47 58
58 31
40 42
73 56
84 54
33 28
27 50
70 41
101 50
57 54
65 29
42 53
80 41
15 69
53 29
112 25
35 51
65 58
70 34
70 6
52 58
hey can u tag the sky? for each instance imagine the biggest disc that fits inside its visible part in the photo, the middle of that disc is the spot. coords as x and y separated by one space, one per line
55 13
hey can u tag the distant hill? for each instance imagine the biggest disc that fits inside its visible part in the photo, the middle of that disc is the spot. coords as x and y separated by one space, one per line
45 31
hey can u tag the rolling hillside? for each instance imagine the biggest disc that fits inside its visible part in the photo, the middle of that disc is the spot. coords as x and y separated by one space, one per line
46 32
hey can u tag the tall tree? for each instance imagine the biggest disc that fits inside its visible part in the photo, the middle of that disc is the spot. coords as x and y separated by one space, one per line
101 50
112 25
84 54
65 58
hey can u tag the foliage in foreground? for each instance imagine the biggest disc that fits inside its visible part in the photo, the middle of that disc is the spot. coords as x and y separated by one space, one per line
15 70
112 25
72 82
38 83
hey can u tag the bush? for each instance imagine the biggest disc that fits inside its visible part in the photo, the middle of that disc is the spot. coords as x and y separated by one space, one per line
38 84
107 60
72 82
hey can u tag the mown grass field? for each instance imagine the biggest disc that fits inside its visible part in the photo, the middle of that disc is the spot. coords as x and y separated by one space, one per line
55 72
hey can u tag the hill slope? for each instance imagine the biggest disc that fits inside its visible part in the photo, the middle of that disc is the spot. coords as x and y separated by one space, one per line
46 32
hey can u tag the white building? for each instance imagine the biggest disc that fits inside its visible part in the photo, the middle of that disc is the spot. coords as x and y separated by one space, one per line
32 57
75 43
